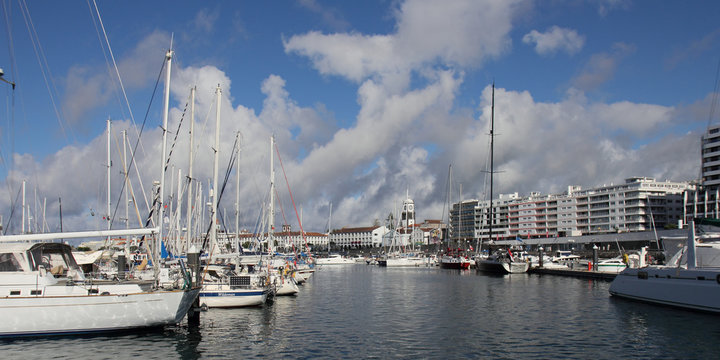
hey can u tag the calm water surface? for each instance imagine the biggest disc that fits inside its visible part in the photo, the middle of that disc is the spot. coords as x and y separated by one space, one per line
359 311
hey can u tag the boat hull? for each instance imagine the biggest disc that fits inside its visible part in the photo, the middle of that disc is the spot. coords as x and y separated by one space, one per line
402 262
502 267
225 296
58 315
457 265
696 289
335 262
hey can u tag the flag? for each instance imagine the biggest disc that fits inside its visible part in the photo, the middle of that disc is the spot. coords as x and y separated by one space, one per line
517 237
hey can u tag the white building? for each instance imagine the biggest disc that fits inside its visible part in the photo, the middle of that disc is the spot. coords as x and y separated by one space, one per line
358 237
636 205
705 200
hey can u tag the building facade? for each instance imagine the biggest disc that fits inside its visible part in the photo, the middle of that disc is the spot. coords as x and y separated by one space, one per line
639 204
704 201
358 237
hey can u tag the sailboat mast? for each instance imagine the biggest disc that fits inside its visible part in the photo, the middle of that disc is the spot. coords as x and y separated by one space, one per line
237 192
163 154
271 219
492 144
189 216
216 166
329 227
127 185
109 124
24 206
449 203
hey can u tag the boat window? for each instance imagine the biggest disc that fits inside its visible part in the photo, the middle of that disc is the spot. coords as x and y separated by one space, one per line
9 262
51 259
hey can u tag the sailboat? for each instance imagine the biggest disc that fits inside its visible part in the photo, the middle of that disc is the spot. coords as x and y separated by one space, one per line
44 292
502 261
454 258
399 255
222 285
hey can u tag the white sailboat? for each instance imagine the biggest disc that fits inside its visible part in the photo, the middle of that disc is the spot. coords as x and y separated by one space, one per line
454 258
501 261
44 292
221 287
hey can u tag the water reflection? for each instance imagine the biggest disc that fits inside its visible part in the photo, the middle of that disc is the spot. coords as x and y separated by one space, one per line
370 312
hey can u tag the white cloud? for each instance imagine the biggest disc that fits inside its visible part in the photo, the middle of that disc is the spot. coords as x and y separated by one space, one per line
404 136
330 16
479 31
555 39
87 89
205 20
601 67
606 6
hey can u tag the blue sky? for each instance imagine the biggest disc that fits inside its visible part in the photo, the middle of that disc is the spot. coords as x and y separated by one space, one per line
368 99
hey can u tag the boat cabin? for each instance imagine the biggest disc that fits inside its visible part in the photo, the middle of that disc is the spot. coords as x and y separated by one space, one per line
55 258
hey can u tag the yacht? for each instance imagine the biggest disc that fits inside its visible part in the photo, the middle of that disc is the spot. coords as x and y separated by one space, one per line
690 277
223 287
334 259
455 259
402 260
44 292
612 266
503 262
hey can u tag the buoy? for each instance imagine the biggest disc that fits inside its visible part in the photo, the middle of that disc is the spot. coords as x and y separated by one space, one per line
589 265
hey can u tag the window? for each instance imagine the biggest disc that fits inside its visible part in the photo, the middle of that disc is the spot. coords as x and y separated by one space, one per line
9 262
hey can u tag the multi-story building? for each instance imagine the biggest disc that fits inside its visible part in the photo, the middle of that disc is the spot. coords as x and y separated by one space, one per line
704 201
636 205
358 237
462 220
284 240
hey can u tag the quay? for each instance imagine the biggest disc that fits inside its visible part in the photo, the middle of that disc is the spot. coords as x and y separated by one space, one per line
574 273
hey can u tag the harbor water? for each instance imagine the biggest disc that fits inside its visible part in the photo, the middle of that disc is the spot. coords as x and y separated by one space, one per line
360 311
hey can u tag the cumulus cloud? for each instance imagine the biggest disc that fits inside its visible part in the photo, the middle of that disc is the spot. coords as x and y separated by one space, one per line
404 136
555 39
479 31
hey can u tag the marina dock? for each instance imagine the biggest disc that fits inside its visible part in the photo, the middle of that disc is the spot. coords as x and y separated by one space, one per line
574 273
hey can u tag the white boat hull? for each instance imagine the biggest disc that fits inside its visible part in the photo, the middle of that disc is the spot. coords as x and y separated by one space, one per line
223 296
402 262
335 261
697 289
72 314
286 288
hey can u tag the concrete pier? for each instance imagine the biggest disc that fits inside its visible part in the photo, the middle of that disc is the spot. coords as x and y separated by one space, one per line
574 273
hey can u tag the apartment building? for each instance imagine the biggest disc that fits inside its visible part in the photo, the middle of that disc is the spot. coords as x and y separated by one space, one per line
704 200
638 204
